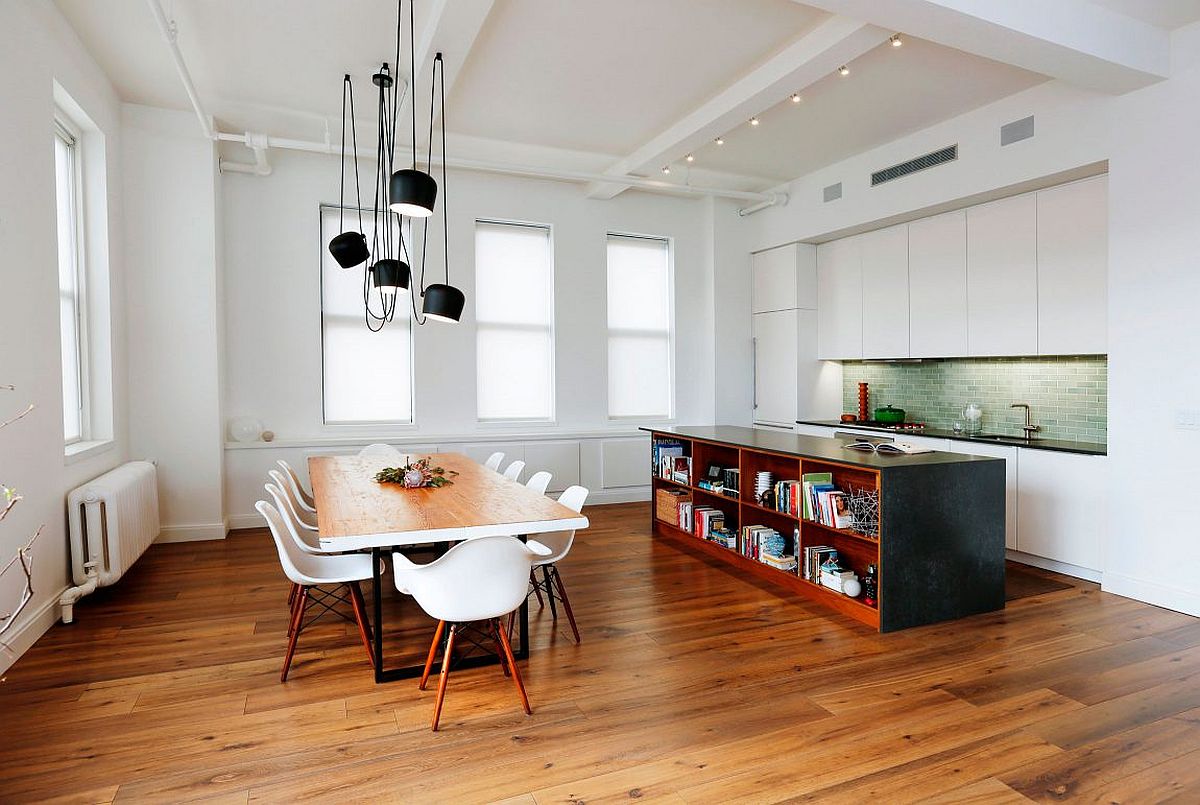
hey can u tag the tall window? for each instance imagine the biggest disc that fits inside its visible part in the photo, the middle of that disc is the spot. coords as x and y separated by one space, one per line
640 339
71 306
514 311
367 377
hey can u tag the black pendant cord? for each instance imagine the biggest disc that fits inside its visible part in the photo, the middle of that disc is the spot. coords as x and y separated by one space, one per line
376 321
412 78
342 169
440 68
354 142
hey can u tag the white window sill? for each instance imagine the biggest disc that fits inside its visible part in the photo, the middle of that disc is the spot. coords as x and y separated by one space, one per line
82 450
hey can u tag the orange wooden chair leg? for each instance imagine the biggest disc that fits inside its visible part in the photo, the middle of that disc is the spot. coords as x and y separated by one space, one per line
294 632
433 647
292 594
360 617
516 672
494 627
566 602
295 602
536 589
441 691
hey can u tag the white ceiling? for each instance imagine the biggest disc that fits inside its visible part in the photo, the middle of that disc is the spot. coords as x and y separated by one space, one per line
574 85
1169 14
890 92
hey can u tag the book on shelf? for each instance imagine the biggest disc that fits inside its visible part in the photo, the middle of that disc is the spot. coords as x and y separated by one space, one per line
724 537
758 541
812 558
807 482
661 449
705 520
905 448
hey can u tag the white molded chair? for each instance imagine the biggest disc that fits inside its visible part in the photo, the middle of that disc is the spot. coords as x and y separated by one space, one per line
304 518
558 543
479 580
308 573
493 461
539 481
379 450
513 471
306 538
307 501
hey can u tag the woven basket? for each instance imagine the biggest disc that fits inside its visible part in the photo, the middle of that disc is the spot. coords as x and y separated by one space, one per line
666 504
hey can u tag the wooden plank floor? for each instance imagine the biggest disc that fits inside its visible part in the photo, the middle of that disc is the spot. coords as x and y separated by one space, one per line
691 685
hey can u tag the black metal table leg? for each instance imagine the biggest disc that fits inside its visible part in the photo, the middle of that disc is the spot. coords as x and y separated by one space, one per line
377 592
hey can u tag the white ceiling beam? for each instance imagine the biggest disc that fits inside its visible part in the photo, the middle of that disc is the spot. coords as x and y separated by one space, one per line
806 60
451 29
1079 42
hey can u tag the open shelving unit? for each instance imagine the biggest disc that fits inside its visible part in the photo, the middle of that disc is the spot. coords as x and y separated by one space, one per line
894 542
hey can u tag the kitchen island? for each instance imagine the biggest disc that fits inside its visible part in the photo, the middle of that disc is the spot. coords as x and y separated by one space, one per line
934 534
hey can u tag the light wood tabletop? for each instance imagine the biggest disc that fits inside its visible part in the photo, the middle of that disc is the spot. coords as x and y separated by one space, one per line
353 511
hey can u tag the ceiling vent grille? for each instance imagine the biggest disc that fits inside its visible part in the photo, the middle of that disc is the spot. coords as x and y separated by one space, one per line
933 158
833 192
1016 131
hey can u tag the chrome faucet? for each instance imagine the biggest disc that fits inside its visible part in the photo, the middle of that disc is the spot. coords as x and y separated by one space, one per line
1028 427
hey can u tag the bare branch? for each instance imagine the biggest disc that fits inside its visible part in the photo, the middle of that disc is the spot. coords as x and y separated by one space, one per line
21 415
25 558
12 498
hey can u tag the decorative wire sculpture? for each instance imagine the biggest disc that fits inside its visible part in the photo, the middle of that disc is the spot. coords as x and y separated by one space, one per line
864 508
24 557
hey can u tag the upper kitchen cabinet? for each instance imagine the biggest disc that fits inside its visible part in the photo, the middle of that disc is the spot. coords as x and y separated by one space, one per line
1002 277
937 286
1072 268
840 299
884 257
775 274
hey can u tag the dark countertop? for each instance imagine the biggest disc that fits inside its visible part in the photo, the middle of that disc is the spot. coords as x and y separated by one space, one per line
1061 445
816 447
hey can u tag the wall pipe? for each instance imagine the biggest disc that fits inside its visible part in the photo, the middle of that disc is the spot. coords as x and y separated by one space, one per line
259 143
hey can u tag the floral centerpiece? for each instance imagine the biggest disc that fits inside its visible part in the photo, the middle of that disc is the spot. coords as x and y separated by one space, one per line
415 475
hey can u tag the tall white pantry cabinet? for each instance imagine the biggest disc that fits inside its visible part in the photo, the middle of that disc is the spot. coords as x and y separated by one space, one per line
789 382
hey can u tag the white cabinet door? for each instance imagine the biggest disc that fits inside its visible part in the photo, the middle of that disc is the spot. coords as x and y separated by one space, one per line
1062 506
775 344
937 286
839 300
1002 277
774 279
806 276
818 383
1072 268
884 255
1011 494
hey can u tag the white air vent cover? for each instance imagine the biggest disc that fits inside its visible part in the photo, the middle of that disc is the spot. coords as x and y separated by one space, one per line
1016 131
833 192
939 157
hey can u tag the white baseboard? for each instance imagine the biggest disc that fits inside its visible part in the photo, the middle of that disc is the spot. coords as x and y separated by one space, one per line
1153 592
633 494
22 637
192 533
1055 567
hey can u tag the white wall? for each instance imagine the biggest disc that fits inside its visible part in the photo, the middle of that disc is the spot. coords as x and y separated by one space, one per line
37 48
1153 371
272 326
171 202
1149 140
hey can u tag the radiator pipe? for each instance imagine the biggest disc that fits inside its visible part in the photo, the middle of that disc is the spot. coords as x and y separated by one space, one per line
73 594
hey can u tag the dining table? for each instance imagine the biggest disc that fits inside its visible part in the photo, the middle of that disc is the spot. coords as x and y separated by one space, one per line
356 513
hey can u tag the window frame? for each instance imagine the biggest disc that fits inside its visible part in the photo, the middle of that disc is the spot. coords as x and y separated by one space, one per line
343 426
551 325
669 416
71 135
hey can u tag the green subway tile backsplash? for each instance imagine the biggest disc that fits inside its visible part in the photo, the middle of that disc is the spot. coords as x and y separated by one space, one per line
1069 395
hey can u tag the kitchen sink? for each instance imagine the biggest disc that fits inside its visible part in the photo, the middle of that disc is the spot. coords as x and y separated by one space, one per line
1003 437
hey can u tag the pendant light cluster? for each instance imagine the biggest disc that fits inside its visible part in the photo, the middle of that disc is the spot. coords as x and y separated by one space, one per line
408 192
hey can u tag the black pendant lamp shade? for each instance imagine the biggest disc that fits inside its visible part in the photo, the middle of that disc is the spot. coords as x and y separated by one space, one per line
412 192
349 249
390 275
443 302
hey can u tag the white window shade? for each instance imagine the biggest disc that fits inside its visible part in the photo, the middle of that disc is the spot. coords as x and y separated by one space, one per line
640 338
70 296
367 377
514 311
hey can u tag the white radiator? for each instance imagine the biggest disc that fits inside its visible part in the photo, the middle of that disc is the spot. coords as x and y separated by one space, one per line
112 521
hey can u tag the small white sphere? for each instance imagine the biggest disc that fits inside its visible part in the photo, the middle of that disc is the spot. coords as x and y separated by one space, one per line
851 587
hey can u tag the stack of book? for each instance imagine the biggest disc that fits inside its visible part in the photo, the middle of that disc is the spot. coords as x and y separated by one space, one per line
685 515
813 557
762 482
767 546
663 448
724 537
824 502
788 497
705 520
